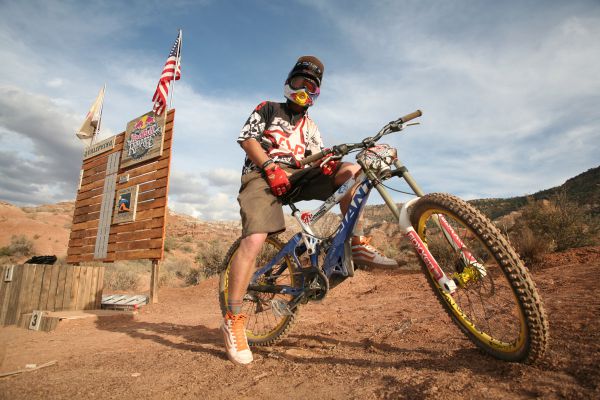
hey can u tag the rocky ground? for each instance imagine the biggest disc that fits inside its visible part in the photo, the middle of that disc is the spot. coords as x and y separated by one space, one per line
381 334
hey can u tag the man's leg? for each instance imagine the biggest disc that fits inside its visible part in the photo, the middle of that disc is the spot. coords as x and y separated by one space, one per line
363 253
234 324
242 267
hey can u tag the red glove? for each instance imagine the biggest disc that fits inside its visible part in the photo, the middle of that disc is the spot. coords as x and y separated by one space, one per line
277 179
329 167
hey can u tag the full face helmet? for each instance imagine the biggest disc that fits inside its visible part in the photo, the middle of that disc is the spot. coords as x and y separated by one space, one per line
303 83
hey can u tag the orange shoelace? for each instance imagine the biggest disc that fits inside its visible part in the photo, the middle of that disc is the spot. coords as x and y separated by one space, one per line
239 331
365 241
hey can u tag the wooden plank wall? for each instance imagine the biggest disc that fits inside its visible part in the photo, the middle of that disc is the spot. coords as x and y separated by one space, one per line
141 239
50 288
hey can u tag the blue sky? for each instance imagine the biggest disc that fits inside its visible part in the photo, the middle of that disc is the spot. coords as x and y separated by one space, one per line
510 90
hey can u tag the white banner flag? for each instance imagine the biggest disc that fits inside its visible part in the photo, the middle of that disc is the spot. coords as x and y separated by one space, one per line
92 119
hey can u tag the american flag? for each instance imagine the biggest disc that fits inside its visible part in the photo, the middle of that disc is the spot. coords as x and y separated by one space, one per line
164 83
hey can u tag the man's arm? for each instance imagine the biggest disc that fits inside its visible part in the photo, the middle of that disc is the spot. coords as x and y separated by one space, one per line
275 176
255 152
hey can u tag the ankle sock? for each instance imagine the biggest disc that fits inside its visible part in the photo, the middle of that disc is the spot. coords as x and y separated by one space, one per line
235 306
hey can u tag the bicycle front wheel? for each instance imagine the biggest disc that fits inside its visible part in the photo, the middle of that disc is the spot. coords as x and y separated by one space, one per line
496 304
269 317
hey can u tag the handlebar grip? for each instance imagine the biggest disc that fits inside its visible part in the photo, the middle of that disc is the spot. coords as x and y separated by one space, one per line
311 158
410 116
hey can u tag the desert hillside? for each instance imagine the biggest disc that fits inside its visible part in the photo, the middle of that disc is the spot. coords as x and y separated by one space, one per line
554 219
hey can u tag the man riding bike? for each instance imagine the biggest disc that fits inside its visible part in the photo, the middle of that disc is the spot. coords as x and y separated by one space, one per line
275 138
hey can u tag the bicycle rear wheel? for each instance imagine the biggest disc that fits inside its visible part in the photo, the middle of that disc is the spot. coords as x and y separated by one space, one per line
496 304
269 318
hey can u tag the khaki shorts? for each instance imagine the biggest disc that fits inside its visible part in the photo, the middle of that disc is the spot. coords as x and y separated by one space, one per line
262 212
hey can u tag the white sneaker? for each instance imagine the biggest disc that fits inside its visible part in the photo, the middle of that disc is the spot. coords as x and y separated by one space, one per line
365 254
236 342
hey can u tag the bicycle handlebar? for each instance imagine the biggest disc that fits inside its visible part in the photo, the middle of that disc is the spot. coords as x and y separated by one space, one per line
343 149
410 116
312 157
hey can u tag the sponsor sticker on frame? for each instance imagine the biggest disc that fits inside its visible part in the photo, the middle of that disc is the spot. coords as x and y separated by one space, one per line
126 205
144 138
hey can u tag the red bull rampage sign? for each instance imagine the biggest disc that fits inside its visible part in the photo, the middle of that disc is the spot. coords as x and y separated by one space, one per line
143 139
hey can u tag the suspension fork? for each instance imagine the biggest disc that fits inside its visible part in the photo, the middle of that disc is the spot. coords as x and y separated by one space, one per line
453 239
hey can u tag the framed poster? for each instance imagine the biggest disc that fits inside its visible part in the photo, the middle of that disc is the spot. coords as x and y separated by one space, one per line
126 205
144 139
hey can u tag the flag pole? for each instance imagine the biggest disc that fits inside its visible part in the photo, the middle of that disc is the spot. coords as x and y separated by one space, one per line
97 131
177 63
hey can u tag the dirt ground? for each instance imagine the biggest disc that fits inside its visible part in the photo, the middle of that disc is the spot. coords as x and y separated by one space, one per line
378 335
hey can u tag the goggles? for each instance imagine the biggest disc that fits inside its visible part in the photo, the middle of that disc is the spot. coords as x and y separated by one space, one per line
300 82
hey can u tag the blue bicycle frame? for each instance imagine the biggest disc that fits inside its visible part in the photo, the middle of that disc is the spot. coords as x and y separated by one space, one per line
306 241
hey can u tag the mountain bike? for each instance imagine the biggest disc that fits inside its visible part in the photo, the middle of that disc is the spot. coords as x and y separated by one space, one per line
473 270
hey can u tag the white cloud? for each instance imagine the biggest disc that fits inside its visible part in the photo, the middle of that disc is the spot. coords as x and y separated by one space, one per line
199 196
56 82
48 164
502 101
510 100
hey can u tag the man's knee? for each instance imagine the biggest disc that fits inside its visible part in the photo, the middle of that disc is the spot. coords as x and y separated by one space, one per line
250 245
346 171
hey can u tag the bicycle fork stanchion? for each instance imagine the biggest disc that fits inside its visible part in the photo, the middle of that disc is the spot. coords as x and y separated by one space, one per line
451 236
408 178
447 284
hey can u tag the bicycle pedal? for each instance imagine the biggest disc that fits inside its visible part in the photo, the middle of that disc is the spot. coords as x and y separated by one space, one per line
280 308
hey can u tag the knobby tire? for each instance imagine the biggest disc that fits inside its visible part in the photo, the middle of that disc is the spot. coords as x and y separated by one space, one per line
531 341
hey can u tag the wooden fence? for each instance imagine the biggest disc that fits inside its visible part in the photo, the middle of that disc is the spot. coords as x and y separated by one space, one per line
141 239
50 288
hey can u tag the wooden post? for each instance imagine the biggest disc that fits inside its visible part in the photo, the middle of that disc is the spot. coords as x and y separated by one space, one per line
154 282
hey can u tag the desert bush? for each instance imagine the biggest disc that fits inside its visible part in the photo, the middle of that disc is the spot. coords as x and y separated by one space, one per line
390 249
210 256
173 270
562 223
170 244
194 277
19 246
118 279
531 247
165 278
177 266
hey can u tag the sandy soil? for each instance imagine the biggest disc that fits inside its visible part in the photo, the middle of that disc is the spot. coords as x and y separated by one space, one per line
378 335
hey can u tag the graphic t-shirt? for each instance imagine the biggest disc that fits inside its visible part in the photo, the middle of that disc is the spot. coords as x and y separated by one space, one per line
289 135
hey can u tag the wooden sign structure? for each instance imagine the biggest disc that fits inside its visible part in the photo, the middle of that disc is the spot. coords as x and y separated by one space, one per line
132 171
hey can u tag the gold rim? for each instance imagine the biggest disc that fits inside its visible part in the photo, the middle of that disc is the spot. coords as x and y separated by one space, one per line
465 320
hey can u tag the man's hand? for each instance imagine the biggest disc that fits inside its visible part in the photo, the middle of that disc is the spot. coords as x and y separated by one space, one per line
277 179
328 165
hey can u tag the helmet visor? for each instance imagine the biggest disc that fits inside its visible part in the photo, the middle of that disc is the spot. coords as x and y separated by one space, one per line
299 82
